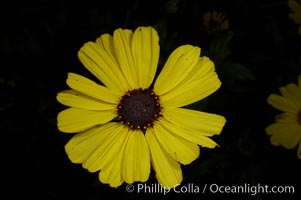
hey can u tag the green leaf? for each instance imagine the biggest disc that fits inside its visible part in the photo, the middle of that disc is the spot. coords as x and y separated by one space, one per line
235 71
172 6
219 47
167 40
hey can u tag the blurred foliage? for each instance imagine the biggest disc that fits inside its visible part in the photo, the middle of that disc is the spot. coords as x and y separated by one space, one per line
39 40
219 47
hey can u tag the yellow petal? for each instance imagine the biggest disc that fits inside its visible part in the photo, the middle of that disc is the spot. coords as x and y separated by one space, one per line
80 146
168 171
282 103
292 93
299 83
103 66
215 16
178 66
111 176
106 152
74 120
275 128
201 82
295 17
92 89
225 25
286 135
206 19
75 99
145 50
179 149
105 41
219 18
207 123
287 118
112 173
191 135
136 161
294 6
122 42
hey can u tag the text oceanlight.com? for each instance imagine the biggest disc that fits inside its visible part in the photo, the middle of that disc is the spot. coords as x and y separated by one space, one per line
211 188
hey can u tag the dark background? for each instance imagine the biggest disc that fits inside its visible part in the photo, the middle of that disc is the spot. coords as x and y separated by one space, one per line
39 40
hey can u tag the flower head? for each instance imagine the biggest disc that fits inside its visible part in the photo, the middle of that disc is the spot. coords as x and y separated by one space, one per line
124 125
215 21
295 7
287 129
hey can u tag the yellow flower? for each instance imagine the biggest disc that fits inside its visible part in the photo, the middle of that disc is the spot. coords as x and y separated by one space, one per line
215 21
124 126
287 129
296 15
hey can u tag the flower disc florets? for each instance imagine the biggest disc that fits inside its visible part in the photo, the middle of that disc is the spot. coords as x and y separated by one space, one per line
139 108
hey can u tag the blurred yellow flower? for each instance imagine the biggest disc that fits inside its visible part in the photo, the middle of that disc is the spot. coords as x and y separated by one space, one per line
125 126
287 129
215 21
295 7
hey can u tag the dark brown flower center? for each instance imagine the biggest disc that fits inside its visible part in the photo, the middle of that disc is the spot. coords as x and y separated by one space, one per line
299 117
214 25
139 108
